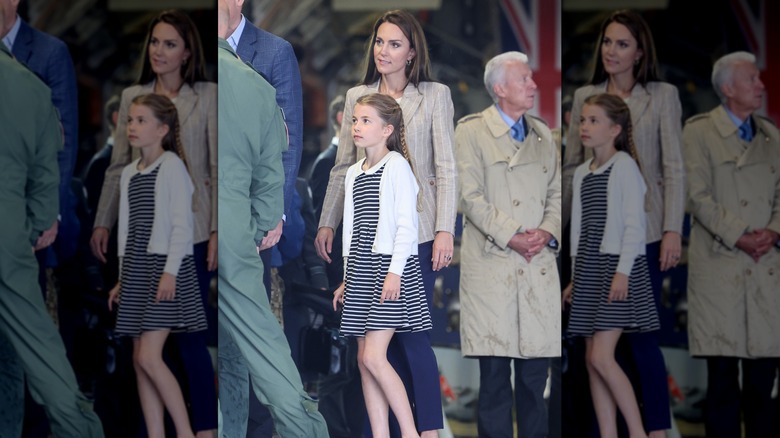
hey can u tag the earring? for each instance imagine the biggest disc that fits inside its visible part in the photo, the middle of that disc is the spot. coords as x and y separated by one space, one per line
636 61
184 61
408 62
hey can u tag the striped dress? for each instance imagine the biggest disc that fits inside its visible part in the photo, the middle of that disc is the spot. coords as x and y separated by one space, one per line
593 273
141 272
366 273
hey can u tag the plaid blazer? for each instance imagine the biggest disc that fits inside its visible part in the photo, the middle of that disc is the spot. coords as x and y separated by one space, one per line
428 120
197 108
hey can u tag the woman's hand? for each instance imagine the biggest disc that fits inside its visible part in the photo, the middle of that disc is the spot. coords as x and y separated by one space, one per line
391 289
324 243
619 289
113 297
671 249
568 294
166 290
443 245
338 296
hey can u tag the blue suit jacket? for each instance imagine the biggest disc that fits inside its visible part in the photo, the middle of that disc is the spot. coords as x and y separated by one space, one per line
275 59
48 57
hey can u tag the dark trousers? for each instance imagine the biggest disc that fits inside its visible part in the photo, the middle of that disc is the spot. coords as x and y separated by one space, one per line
725 400
646 366
194 359
494 412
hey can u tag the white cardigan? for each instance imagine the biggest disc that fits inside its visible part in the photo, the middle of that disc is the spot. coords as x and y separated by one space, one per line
396 231
624 231
172 229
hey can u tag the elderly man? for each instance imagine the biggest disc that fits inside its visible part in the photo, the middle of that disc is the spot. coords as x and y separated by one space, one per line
732 158
510 189
29 343
251 140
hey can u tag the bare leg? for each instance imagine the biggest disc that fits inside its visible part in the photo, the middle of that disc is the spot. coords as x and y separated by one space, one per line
151 402
376 403
601 362
149 359
374 360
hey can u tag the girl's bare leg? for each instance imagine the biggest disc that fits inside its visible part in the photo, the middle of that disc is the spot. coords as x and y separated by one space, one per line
376 403
601 361
151 402
151 362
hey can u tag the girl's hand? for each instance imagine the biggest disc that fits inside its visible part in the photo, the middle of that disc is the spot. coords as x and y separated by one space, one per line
619 289
568 293
166 290
338 296
391 290
671 248
113 297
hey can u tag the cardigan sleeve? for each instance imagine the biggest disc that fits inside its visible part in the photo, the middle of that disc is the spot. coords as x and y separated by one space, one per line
404 191
177 197
630 192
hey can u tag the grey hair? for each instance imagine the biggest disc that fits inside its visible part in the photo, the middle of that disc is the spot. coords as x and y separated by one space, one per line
495 69
723 70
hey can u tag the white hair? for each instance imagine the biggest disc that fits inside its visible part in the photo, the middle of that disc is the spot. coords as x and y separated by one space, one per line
723 70
495 69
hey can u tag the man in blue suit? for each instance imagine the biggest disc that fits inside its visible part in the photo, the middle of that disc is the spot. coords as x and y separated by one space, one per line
275 59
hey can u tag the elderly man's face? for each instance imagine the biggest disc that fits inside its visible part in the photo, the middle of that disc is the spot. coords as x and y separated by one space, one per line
746 91
8 15
518 89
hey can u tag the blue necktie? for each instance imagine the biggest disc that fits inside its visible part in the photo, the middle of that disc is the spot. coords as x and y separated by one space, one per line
518 133
745 131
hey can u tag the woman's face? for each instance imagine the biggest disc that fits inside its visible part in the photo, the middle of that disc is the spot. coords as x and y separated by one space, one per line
167 51
619 50
391 50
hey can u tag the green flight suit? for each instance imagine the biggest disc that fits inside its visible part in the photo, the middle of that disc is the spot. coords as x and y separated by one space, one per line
30 345
250 177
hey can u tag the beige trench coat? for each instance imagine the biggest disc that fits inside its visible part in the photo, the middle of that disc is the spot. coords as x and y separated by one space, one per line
734 302
509 307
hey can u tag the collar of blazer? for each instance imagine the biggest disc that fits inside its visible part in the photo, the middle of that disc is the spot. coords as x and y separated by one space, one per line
637 102
411 100
185 101
22 49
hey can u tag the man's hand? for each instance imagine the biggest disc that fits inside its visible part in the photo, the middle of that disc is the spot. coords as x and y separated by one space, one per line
47 237
272 238
324 243
99 243
530 243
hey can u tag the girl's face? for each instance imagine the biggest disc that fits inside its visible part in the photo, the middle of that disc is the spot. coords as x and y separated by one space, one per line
619 50
391 50
167 51
596 129
368 129
143 128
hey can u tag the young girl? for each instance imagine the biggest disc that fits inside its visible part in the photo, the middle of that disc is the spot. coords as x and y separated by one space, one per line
383 291
157 291
611 292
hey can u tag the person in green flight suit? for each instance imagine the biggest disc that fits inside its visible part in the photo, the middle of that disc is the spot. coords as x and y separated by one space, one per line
250 179
30 345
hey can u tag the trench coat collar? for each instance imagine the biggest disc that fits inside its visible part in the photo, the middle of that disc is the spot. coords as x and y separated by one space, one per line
410 102
499 128
755 153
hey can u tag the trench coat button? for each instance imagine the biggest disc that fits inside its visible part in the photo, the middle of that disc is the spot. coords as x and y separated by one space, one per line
490 239
771 271
538 138
718 239
748 271
660 183
544 169
744 203
206 182
509 170
431 182
515 202
543 271
520 271
772 169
